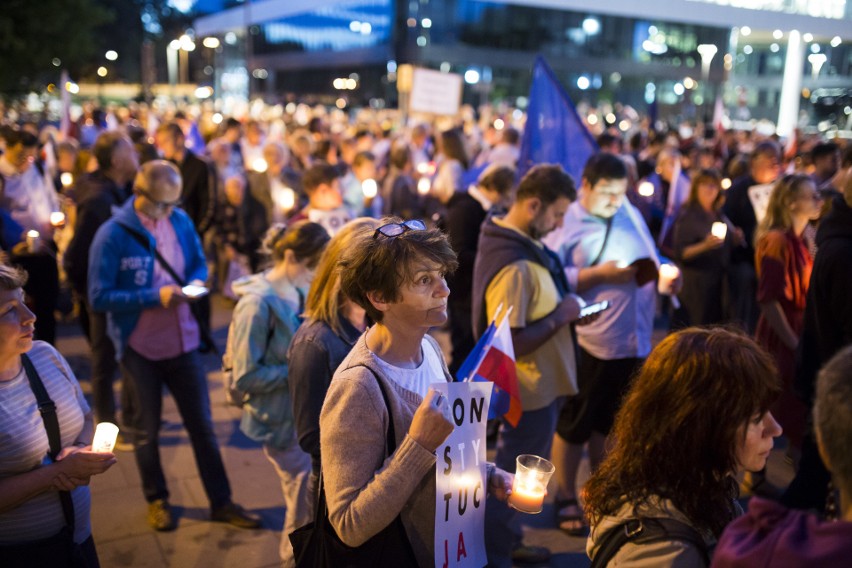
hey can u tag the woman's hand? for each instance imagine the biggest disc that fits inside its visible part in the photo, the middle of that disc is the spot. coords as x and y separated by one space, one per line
76 465
431 423
500 484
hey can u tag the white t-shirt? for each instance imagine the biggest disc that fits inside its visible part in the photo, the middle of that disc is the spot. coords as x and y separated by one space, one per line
417 380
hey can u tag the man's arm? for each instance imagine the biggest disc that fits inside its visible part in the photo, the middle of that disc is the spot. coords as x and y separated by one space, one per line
527 339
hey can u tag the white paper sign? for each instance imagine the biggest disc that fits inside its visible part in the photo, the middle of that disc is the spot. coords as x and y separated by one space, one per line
332 221
460 478
436 92
759 196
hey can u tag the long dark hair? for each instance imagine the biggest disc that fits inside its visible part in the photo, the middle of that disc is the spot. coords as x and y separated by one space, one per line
679 427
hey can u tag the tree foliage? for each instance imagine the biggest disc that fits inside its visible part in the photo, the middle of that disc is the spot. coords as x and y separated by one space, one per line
34 33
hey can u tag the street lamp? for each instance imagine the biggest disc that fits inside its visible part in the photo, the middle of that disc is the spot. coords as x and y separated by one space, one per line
186 45
707 51
817 60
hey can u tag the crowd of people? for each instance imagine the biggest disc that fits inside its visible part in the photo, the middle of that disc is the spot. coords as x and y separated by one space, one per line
343 242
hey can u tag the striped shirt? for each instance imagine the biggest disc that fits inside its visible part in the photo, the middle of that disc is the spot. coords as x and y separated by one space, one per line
24 446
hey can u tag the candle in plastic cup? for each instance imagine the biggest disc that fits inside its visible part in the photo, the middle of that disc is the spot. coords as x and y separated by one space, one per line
66 178
530 486
32 240
370 188
668 274
57 218
646 189
424 185
719 230
105 436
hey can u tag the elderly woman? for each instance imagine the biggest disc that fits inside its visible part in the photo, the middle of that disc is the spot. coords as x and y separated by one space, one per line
265 320
695 416
396 274
44 493
333 323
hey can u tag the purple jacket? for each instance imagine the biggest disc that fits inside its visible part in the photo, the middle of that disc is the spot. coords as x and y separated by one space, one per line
772 535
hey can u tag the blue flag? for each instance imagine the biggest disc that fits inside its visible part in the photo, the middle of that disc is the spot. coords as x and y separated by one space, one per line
554 133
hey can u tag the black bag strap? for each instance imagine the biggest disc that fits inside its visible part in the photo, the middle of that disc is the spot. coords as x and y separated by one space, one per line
47 408
605 241
646 531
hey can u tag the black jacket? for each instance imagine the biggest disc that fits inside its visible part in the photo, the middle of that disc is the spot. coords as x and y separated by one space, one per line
828 312
199 191
97 196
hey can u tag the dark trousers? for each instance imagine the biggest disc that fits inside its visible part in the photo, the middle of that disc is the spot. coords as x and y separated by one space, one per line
185 379
104 368
42 290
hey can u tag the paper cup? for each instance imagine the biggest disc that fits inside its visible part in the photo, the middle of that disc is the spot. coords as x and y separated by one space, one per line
105 436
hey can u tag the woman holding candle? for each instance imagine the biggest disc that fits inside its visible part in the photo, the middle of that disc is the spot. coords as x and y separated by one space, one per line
784 265
44 493
702 241
265 320
695 416
396 274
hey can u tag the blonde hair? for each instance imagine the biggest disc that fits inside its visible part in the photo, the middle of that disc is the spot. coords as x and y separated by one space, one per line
778 215
324 297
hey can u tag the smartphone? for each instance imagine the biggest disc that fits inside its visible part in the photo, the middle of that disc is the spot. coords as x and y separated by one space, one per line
193 291
592 309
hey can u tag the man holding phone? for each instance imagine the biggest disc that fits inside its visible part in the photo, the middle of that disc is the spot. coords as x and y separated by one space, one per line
138 263
603 244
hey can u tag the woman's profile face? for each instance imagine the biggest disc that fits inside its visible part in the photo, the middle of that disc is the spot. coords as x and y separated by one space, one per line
17 323
423 300
756 441
707 194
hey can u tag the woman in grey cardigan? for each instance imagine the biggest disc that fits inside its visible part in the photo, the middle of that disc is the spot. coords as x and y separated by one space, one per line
397 276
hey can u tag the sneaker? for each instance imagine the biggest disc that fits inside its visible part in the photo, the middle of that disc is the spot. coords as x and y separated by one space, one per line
124 443
160 516
525 555
235 515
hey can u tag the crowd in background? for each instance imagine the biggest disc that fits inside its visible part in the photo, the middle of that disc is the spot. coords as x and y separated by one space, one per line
274 204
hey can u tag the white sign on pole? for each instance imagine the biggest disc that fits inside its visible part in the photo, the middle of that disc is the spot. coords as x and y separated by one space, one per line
759 197
436 92
460 479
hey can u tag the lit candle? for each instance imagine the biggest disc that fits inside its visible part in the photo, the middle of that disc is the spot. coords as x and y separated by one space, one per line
57 218
370 188
726 183
646 189
32 241
423 186
288 199
66 178
719 230
259 165
668 274
530 486
105 436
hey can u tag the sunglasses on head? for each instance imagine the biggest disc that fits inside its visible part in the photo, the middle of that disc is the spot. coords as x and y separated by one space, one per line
392 230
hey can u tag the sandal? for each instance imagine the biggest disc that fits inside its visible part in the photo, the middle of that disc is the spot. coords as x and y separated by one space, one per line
581 528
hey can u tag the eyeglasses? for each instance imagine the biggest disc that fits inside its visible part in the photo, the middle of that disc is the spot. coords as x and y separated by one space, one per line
159 204
392 230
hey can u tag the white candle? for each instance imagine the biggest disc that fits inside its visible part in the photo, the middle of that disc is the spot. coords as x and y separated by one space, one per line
370 188
105 435
719 230
530 485
668 274
32 241
423 186
57 218
259 165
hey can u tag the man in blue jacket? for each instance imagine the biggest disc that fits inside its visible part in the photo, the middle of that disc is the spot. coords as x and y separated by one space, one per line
155 335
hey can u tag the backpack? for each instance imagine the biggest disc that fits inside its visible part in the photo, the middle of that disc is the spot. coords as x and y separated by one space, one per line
233 395
646 531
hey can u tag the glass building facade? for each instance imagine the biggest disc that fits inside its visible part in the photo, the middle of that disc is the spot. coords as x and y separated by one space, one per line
350 49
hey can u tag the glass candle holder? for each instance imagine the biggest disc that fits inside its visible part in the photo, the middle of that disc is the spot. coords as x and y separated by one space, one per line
105 435
531 476
719 230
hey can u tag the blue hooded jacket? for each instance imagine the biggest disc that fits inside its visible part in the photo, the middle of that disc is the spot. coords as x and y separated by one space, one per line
121 270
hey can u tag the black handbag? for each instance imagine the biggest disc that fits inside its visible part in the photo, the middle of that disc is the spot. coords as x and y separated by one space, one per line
316 545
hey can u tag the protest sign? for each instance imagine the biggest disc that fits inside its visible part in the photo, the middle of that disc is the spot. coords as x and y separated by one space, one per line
460 478
436 92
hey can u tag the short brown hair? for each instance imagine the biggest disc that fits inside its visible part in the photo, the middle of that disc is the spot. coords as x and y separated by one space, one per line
318 174
547 182
680 424
382 265
706 176
12 277
306 239
833 415
105 146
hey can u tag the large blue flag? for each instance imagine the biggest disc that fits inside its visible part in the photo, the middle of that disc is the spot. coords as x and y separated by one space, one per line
554 132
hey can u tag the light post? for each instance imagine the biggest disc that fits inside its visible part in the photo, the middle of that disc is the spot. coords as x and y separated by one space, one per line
817 60
707 51
186 45
213 44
